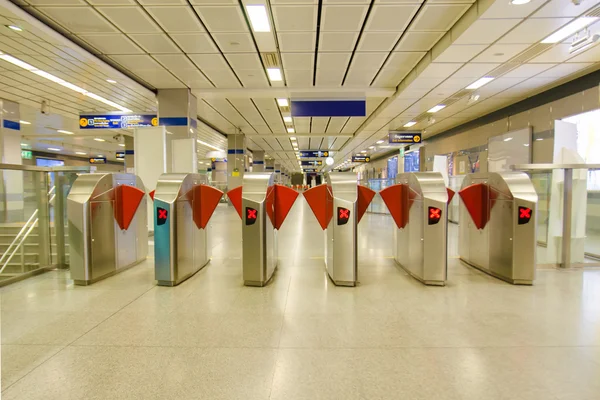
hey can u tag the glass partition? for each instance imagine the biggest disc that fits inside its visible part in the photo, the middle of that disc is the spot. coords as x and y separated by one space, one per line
377 185
542 182
592 220
454 183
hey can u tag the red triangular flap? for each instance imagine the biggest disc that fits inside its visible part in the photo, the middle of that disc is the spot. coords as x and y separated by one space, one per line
127 200
451 194
284 200
209 200
151 194
396 199
476 199
320 201
235 196
365 196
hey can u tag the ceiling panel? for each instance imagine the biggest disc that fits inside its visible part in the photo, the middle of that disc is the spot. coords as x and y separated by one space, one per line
295 17
438 17
176 19
378 41
155 43
343 17
418 41
130 19
393 18
222 18
234 42
112 43
79 19
337 41
296 41
195 42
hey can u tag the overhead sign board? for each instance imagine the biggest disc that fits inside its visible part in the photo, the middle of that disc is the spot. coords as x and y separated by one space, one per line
314 153
329 108
117 121
312 163
404 137
121 154
309 170
98 160
26 154
361 158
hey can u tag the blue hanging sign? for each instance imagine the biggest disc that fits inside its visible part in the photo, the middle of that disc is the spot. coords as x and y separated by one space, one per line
117 121
309 170
404 137
314 153
121 154
329 108
361 158
312 163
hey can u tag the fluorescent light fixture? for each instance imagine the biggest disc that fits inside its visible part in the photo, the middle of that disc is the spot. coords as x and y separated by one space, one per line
363 151
287 119
539 140
371 147
122 144
14 28
258 18
60 81
209 145
570 29
526 144
519 2
291 130
480 82
53 149
24 145
65 132
411 123
100 155
508 139
283 102
81 153
111 81
436 108
99 139
583 43
293 138
25 122
274 74
380 141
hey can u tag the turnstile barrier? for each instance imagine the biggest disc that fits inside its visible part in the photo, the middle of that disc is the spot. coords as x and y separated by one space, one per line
341 197
418 205
263 206
108 225
497 233
183 206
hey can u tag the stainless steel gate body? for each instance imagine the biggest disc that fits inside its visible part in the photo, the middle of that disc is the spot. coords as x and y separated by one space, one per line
99 246
339 204
497 233
418 203
182 245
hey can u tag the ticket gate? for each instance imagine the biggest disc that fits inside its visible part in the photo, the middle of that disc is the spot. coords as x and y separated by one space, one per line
183 206
108 225
263 206
342 197
497 230
418 204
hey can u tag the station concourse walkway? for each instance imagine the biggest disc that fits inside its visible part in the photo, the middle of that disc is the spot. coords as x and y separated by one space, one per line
301 337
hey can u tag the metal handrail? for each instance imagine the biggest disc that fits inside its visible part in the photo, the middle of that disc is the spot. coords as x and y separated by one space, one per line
27 229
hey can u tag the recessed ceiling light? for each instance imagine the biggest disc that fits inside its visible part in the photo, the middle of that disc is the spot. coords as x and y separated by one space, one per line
519 2
293 138
111 81
283 102
24 122
258 18
363 151
274 74
99 139
24 145
287 119
539 140
569 29
371 147
53 149
409 124
436 108
291 130
122 144
14 28
81 153
380 141
508 139
526 144
65 132
480 82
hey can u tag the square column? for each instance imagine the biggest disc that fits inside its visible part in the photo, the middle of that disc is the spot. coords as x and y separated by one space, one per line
11 182
258 161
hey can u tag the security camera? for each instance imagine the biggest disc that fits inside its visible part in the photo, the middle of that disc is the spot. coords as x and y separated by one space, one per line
45 108
577 2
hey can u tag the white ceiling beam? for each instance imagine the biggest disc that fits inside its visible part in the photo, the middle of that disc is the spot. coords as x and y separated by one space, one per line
298 93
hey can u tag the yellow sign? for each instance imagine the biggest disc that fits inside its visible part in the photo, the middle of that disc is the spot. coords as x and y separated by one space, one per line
417 138
154 121
83 122
235 173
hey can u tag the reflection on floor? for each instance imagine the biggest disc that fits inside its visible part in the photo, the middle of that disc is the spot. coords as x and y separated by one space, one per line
301 337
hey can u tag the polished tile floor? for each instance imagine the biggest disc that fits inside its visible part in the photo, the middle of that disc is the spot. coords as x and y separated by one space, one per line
301 337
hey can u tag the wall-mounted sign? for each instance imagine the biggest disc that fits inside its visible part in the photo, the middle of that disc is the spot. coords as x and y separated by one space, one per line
121 155
98 160
404 137
26 154
361 158
117 121
314 153
312 163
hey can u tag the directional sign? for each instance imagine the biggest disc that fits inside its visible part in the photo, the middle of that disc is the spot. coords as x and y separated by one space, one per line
117 121
121 154
312 163
314 153
98 160
309 170
361 158
404 137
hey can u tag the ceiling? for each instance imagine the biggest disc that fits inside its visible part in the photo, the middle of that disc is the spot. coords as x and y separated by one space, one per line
403 56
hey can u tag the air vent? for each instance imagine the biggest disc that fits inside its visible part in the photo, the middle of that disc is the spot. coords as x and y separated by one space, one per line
270 60
285 109
531 52
501 70
594 13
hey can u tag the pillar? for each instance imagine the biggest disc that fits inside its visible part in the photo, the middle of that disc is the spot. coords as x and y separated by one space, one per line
269 165
11 182
277 170
236 160
258 161
129 157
